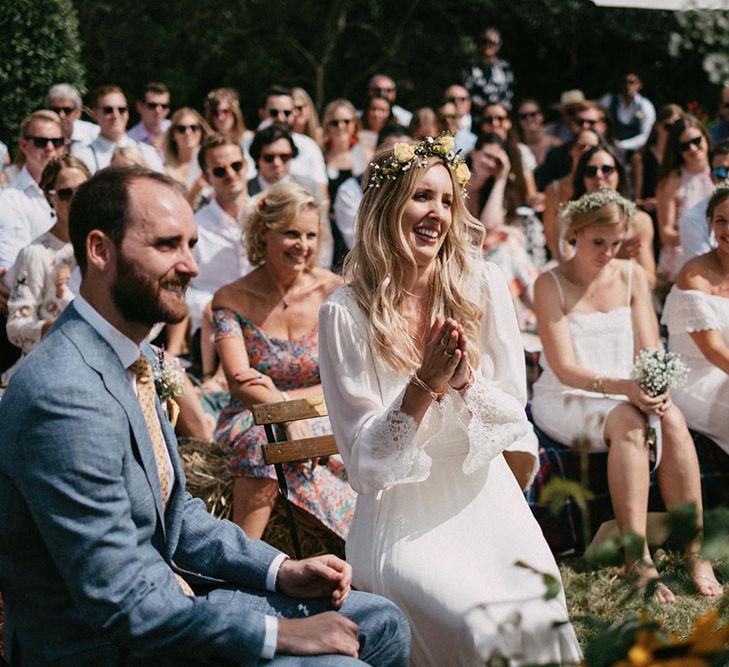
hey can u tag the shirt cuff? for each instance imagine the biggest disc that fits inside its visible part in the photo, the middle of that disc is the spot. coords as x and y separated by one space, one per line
270 638
273 572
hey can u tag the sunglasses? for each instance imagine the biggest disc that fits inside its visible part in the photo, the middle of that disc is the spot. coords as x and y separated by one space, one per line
274 113
336 122
108 111
64 194
686 145
42 142
490 42
271 157
222 112
592 170
528 114
586 122
495 120
299 107
720 173
65 111
156 105
221 171
181 129
384 89
458 98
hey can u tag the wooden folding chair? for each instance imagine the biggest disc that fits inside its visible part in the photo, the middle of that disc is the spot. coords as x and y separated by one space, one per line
292 451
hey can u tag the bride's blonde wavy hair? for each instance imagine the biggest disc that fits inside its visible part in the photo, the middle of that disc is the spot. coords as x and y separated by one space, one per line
377 265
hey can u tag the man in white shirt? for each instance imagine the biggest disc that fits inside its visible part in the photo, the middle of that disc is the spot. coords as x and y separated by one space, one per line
107 560
65 100
24 211
111 112
693 228
153 109
459 96
383 86
220 253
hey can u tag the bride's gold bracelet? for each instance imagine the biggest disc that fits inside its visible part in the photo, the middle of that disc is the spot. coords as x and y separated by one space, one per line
436 396
467 383
597 386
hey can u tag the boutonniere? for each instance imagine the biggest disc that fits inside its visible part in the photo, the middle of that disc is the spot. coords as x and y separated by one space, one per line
169 381
639 115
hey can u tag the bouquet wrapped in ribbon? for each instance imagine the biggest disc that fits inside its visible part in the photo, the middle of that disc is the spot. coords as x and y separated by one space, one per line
657 372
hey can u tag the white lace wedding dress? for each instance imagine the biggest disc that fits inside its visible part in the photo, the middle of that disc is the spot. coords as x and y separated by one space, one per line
441 526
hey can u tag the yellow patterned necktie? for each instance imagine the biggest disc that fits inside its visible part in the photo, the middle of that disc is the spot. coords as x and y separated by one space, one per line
142 370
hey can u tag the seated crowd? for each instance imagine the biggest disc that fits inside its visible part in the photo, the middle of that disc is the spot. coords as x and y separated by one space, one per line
607 223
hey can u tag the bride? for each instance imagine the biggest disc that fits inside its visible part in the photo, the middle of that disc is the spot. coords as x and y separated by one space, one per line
423 373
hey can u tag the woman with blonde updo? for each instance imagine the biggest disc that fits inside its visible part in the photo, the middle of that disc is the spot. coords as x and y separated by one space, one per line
594 315
423 373
266 335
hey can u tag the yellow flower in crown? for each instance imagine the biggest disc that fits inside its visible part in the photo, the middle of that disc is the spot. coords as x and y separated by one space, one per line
447 143
404 152
463 175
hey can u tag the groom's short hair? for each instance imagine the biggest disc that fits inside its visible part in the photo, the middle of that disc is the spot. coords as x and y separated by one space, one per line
103 203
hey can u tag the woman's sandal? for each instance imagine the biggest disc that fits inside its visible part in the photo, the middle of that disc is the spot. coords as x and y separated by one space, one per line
637 575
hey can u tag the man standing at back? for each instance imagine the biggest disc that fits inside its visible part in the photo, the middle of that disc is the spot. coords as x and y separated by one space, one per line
153 109
104 558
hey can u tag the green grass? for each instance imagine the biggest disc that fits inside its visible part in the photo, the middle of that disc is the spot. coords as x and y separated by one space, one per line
599 597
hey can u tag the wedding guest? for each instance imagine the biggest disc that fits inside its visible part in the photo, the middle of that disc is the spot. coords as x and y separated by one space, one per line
490 80
187 131
266 336
697 316
633 114
423 374
531 129
595 315
43 268
306 119
153 108
65 100
684 180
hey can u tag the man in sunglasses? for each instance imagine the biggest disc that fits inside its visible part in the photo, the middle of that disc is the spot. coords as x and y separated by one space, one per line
111 112
490 80
219 253
460 97
381 85
633 114
153 108
693 229
65 100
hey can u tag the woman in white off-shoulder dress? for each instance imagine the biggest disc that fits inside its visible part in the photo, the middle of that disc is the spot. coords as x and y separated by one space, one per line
697 316
423 374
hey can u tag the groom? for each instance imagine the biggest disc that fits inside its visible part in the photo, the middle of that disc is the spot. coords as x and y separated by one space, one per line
104 558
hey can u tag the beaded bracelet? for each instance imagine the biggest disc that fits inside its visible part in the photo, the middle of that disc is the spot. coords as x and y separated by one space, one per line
436 396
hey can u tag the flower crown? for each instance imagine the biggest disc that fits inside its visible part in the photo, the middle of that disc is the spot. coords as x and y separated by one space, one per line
723 186
596 200
406 155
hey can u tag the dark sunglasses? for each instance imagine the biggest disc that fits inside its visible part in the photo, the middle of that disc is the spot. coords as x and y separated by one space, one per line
181 129
384 89
591 170
336 122
42 142
586 122
458 98
493 120
490 42
271 157
110 110
66 111
219 172
299 107
686 145
156 105
64 194
528 114
720 173
280 112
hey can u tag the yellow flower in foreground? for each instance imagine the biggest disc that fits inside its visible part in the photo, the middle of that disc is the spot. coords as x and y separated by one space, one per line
404 152
639 656
705 639
463 174
447 142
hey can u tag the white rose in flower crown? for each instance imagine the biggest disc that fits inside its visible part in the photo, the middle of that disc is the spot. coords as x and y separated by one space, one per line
404 152
446 141
463 175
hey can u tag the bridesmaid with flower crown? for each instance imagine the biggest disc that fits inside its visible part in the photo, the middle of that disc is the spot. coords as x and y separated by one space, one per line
594 315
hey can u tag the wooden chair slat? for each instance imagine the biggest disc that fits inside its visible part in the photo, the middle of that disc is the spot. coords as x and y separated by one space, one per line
299 450
289 411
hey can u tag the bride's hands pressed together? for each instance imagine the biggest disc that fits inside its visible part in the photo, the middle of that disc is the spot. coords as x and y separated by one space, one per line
442 353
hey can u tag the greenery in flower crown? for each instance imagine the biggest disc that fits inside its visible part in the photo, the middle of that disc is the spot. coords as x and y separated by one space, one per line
406 155
721 187
593 201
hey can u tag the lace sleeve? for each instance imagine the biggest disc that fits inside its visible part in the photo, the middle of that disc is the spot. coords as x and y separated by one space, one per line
696 311
225 324
24 324
376 439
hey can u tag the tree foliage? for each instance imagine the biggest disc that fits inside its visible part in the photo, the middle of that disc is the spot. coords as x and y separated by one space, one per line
39 47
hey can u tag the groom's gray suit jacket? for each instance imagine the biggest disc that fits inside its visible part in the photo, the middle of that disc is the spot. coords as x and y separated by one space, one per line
87 555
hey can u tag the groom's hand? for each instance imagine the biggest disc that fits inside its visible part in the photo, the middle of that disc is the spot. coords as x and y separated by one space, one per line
322 634
321 576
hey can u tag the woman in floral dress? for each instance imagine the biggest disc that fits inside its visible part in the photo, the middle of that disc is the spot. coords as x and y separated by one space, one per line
267 339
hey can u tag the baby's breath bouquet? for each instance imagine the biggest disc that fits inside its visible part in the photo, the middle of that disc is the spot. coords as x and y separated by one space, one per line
657 372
